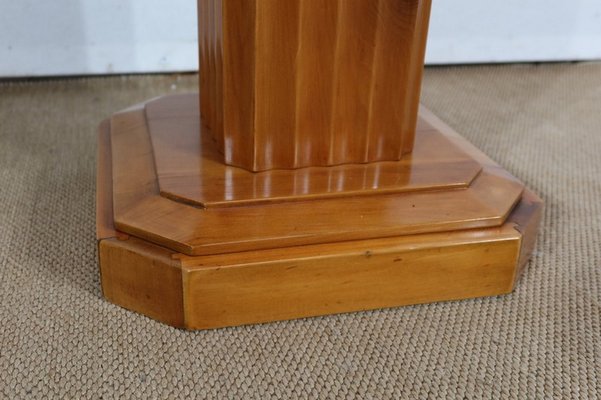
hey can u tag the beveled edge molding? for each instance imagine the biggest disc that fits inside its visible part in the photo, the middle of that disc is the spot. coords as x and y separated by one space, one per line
163 284
189 167
139 209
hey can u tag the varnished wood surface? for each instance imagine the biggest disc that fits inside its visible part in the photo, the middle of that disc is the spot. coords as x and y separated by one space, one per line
201 292
526 218
210 34
297 83
135 274
251 287
104 184
325 82
282 284
173 124
142 277
139 209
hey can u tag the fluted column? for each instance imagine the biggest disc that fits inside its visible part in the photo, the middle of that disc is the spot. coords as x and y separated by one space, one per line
297 83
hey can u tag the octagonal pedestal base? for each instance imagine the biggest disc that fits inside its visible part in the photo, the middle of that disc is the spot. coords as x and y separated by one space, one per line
196 244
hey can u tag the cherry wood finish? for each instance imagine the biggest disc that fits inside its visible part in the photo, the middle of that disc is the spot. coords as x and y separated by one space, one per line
140 209
243 288
152 288
312 103
104 187
202 292
173 125
298 83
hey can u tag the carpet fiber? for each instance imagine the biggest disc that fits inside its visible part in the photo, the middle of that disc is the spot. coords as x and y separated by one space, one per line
60 339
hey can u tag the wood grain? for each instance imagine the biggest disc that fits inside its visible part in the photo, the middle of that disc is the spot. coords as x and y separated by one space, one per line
239 81
135 274
216 291
173 125
141 211
526 218
104 184
353 81
282 284
212 291
197 244
301 83
315 75
142 277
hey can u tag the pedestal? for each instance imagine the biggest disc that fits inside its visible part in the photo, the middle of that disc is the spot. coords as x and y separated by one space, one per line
300 83
211 222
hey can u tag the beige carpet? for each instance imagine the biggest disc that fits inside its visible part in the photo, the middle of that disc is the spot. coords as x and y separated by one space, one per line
60 339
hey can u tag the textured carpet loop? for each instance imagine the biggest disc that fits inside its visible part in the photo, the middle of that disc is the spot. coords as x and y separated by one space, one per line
60 339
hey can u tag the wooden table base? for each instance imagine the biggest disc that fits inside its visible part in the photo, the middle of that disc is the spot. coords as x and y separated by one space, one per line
196 244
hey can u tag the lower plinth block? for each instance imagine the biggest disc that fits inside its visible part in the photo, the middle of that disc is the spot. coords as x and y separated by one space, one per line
466 232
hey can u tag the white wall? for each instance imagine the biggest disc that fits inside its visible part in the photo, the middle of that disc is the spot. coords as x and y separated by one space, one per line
74 37
476 31
66 37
